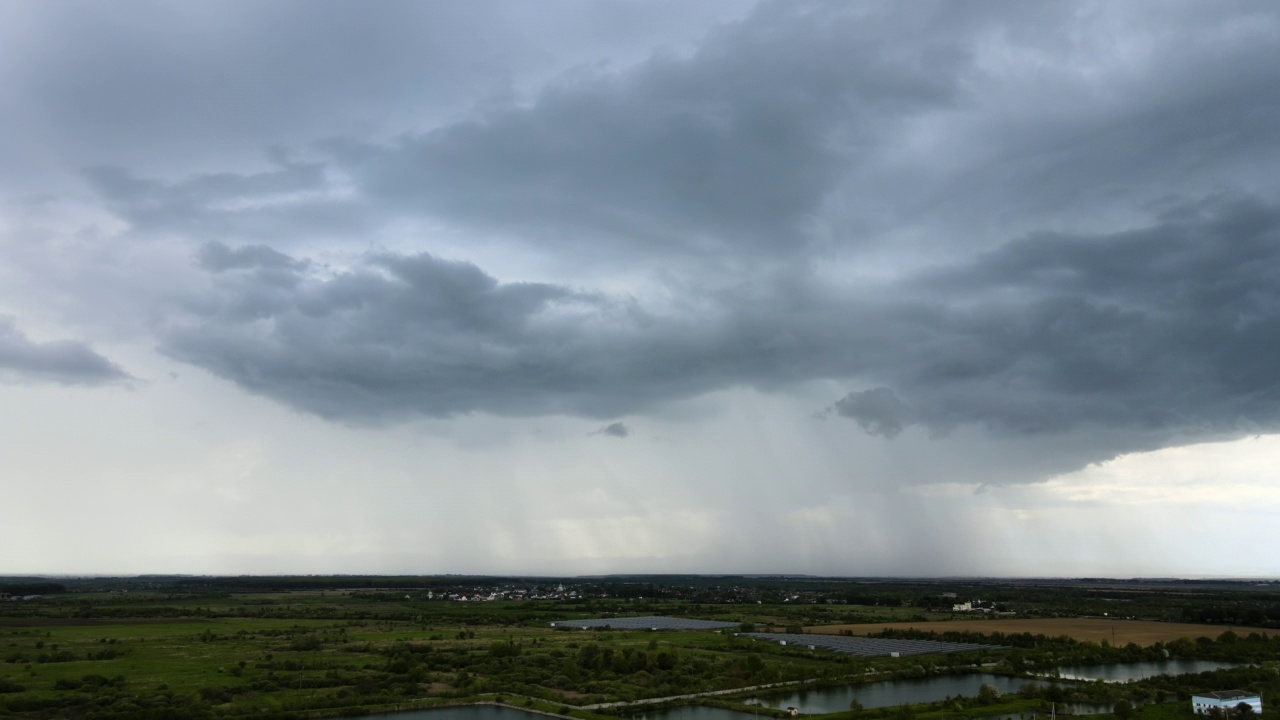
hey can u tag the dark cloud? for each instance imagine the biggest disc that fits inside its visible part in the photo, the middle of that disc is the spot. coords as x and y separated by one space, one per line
775 191
843 122
735 145
397 336
822 127
878 411
618 430
1171 329
64 362
401 335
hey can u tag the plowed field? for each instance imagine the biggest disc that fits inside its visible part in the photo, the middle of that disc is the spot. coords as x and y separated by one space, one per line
1120 632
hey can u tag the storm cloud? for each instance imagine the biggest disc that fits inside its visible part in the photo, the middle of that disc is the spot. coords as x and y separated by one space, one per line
724 173
878 411
735 145
985 244
1172 327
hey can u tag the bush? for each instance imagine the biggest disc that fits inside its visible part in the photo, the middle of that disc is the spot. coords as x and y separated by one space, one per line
215 696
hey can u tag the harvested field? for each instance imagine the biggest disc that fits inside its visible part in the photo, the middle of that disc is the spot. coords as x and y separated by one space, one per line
1122 632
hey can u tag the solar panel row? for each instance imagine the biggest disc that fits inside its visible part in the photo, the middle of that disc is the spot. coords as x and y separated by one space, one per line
643 623
871 647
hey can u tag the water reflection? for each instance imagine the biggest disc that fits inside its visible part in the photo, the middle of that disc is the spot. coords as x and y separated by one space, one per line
891 692
694 712
1124 672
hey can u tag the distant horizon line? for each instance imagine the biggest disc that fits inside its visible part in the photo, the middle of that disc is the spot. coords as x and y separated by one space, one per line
599 576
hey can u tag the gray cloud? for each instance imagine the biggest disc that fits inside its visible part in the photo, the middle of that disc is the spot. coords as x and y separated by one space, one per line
399 335
1171 329
618 430
217 257
64 362
1013 237
771 194
164 85
848 123
140 200
290 200
735 145
878 411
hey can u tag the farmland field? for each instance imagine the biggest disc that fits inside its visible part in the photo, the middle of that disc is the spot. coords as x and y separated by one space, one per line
295 647
1119 632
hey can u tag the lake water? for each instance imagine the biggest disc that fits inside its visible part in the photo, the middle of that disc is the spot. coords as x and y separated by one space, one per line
888 693
872 695
1124 672
692 712
1059 710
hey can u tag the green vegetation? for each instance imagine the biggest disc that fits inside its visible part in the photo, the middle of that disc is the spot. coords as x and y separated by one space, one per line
306 648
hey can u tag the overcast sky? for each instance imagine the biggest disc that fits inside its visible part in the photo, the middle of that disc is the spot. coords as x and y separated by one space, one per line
587 286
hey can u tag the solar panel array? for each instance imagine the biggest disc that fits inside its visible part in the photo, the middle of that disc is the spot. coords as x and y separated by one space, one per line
871 647
643 623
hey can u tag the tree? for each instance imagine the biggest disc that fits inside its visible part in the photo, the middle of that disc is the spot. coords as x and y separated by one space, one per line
1123 710
587 656
667 660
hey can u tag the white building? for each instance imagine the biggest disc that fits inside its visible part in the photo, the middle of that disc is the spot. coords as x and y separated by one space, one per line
1225 701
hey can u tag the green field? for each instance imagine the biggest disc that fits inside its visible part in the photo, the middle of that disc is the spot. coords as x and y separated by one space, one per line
248 654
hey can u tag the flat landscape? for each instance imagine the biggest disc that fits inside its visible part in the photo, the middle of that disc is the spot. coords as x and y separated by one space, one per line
1119 632
188 648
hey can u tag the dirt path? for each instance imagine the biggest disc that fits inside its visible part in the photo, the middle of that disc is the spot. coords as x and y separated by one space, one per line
690 696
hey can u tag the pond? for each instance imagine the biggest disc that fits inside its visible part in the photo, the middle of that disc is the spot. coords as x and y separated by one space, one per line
889 693
1124 672
1059 710
693 712
872 695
